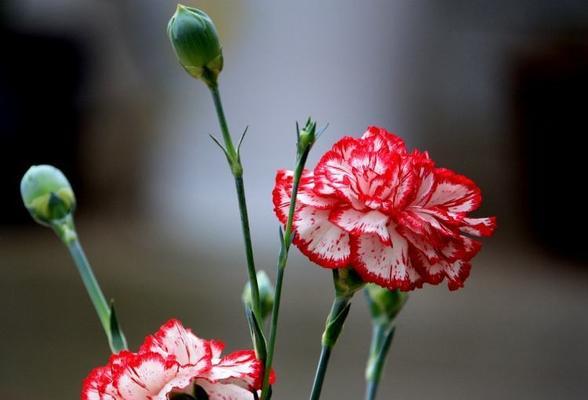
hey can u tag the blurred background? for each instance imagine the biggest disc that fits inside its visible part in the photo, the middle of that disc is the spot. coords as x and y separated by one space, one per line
494 90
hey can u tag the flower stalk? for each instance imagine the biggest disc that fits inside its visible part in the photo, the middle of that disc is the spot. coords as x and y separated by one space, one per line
306 139
382 336
234 160
384 307
49 198
346 284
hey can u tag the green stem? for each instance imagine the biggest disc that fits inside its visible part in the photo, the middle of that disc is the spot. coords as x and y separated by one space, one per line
237 171
333 328
321 371
66 231
222 120
382 335
91 284
280 268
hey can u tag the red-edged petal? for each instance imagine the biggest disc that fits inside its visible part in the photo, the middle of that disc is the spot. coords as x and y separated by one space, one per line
360 222
221 391
457 272
386 265
173 339
381 138
306 196
460 248
479 226
319 239
334 175
241 368
150 376
98 385
216 348
432 272
454 193
421 243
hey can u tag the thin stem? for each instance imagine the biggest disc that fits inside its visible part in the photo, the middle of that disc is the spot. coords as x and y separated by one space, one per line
237 170
333 328
382 335
65 230
371 390
280 268
222 120
321 371
91 284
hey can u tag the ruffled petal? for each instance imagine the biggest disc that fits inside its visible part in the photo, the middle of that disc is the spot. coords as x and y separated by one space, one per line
431 272
381 138
479 226
98 385
149 376
241 368
456 271
216 349
173 339
454 193
306 195
319 239
386 265
220 391
334 175
360 222
460 248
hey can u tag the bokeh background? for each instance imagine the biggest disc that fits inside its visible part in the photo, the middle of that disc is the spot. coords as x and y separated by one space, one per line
495 90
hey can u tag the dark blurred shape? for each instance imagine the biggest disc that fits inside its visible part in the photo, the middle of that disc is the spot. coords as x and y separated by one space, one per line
551 83
40 79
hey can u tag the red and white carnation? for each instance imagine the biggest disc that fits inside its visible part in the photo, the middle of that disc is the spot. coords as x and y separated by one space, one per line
175 361
393 216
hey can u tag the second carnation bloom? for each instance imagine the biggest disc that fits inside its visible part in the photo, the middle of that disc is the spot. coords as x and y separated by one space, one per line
393 216
174 363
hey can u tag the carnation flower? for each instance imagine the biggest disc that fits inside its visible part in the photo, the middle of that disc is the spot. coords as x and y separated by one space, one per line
174 361
393 216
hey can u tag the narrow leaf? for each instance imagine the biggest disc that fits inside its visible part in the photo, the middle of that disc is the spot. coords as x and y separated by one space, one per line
118 341
256 334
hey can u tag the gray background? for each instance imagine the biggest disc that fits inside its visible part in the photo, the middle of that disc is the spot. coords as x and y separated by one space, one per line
161 224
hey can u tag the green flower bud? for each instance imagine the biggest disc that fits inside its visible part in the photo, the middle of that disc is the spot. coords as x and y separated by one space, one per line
307 136
347 282
195 41
266 294
385 304
47 194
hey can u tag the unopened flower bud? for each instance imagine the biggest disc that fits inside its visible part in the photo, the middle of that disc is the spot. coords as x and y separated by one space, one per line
347 282
195 41
47 194
385 304
266 294
307 136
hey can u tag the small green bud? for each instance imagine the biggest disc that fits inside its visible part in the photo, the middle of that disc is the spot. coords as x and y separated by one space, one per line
347 282
266 294
307 136
385 304
47 194
195 41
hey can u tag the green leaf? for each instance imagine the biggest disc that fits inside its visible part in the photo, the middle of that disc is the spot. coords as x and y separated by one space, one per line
256 334
117 338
